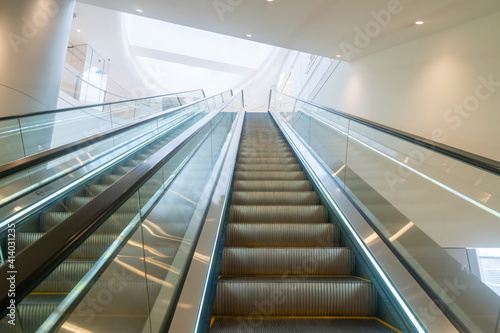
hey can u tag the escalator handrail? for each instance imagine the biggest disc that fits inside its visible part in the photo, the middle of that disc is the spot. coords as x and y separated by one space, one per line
91 106
29 161
38 260
482 162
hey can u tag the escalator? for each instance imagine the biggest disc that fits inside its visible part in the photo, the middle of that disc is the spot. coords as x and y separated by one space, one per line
285 267
182 160
51 292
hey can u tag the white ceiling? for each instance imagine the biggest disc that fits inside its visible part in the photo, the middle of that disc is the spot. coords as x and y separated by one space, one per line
313 26
151 57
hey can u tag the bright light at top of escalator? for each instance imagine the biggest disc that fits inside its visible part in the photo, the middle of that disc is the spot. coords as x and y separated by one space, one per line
175 58
180 40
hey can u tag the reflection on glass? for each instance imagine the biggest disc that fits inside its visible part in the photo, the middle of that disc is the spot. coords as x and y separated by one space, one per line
30 135
419 199
124 277
489 265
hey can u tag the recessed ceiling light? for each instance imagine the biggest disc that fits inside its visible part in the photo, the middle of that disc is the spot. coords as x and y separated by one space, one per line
269 0
419 22
338 56
139 10
78 30
249 36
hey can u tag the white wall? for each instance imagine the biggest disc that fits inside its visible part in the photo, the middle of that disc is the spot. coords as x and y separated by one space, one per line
435 87
432 87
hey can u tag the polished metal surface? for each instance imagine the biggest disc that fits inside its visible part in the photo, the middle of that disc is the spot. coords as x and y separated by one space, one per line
187 315
272 263
199 147
396 277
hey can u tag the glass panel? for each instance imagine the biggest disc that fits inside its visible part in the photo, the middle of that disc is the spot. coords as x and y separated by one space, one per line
30 135
52 291
11 141
117 301
96 289
419 199
71 167
325 133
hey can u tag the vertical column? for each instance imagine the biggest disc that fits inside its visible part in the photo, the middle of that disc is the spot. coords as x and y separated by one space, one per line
34 36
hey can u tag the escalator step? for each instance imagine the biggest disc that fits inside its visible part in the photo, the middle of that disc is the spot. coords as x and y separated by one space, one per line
275 198
268 160
288 214
134 162
115 224
299 296
287 261
92 248
265 150
75 203
95 189
282 235
268 145
36 312
111 178
65 277
266 324
268 167
124 169
269 175
272 186
265 155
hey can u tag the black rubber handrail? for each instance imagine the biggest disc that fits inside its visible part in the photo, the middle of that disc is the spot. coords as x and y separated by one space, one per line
482 162
76 108
37 261
29 161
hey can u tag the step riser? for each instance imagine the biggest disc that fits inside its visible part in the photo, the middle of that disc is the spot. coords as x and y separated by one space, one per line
281 235
256 214
275 198
296 299
268 167
274 175
272 186
267 161
287 261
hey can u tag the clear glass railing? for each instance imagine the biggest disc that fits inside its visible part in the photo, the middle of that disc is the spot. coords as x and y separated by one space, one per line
126 275
421 201
24 193
26 135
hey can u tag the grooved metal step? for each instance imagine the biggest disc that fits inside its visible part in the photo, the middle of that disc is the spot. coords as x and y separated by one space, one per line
65 277
115 224
283 261
75 203
281 235
289 214
258 149
274 186
268 167
265 154
275 198
266 324
300 296
269 175
267 160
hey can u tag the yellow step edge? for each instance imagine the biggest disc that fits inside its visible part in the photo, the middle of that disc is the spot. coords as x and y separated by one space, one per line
310 317
296 276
